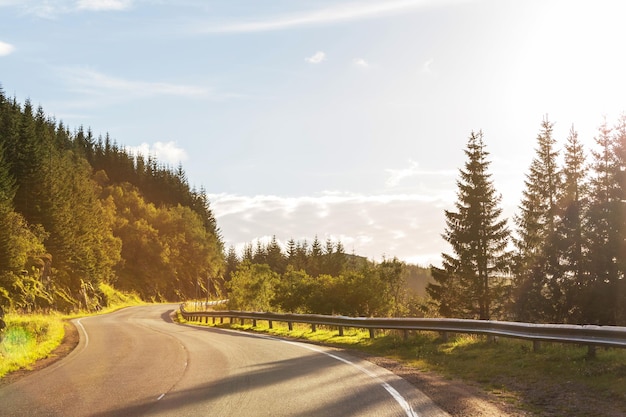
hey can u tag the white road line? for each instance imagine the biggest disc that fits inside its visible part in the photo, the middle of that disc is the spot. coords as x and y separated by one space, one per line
391 390
84 332
160 396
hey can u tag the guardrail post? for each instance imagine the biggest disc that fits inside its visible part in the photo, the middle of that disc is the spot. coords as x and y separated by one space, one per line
290 325
444 337
405 334
221 320
340 330
372 335
270 324
213 319
242 321
536 345
591 351
313 327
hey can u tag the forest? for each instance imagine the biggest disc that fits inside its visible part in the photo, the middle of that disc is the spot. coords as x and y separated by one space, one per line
320 278
78 211
564 259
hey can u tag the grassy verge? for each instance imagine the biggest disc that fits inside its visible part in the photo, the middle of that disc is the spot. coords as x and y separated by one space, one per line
29 338
506 366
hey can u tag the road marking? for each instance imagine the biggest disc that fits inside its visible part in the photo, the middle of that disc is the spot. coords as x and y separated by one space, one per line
160 396
391 390
84 332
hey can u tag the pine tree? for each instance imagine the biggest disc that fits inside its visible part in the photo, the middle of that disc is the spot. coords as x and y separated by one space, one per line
466 284
602 297
619 148
537 271
572 246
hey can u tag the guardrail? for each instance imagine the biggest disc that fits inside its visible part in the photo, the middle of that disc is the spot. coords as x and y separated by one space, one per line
590 335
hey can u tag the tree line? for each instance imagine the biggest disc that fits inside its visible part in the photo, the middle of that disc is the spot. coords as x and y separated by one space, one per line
77 211
319 278
564 260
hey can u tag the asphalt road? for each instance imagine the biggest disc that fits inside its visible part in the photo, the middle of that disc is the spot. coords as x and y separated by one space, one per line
137 362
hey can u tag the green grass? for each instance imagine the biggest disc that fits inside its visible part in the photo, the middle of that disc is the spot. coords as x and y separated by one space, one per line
501 367
27 339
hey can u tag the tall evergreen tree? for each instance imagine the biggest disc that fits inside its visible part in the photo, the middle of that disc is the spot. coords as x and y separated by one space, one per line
619 148
466 284
603 290
537 271
572 246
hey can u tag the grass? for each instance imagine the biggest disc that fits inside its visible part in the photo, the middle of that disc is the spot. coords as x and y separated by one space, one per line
505 366
28 338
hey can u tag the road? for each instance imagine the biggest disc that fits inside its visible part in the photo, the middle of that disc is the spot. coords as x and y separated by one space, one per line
137 362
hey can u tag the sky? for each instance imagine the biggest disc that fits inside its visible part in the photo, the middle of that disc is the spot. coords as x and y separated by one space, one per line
341 120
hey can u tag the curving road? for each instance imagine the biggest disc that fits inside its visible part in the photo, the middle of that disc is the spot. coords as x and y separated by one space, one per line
137 362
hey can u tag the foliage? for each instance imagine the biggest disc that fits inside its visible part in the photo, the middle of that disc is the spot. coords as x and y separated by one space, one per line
360 289
471 277
537 271
252 287
77 212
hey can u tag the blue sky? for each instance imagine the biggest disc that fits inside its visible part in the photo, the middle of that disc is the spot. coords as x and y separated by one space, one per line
341 119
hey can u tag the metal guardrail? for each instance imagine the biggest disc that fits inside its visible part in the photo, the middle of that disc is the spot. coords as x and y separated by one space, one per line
590 335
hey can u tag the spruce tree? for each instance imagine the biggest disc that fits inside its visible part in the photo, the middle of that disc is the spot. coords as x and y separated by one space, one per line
473 275
602 297
573 203
537 271
619 148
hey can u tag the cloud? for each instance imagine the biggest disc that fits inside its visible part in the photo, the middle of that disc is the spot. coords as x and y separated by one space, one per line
167 152
50 9
404 225
6 48
360 62
316 58
96 83
103 5
396 176
335 14
426 67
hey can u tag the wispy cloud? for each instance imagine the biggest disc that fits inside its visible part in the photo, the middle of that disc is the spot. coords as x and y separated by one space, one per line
96 83
50 9
335 14
6 48
403 225
360 62
168 152
316 58
103 5
427 66
396 176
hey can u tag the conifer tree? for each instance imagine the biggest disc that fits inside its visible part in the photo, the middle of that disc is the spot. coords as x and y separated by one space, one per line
537 271
619 148
572 246
602 298
474 272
